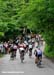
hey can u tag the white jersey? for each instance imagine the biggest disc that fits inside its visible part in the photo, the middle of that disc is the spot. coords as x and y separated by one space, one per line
21 49
29 40
30 46
26 42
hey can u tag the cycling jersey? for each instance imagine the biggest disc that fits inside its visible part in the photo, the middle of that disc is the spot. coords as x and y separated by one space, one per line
26 42
30 46
39 52
14 47
21 45
21 49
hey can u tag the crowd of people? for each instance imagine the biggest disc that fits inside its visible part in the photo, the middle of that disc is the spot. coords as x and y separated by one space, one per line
24 44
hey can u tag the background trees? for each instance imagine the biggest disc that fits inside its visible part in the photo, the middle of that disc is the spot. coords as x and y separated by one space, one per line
37 15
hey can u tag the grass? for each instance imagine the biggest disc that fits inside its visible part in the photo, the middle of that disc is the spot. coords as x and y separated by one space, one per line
1 55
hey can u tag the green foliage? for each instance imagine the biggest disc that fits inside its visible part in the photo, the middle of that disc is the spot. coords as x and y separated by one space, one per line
1 55
48 51
37 15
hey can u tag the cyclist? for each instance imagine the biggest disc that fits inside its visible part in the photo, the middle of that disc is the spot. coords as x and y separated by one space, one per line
21 50
38 56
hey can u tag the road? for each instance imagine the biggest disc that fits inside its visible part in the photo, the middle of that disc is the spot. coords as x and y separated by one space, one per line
15 67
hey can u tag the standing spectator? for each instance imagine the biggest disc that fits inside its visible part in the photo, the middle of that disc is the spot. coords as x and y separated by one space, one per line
1 48
6 47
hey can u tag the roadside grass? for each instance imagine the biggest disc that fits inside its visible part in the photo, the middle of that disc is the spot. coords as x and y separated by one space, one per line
1 55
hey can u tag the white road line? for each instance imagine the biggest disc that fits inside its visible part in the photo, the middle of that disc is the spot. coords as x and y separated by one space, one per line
11 72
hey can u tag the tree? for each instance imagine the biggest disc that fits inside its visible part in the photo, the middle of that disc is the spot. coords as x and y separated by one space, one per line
37 15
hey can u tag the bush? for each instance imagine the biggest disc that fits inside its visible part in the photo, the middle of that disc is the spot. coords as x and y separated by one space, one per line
48 51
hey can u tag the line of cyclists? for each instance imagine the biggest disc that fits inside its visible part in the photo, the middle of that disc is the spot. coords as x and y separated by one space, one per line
24 45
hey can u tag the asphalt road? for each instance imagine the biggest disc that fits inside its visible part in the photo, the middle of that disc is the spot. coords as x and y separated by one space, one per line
15 67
